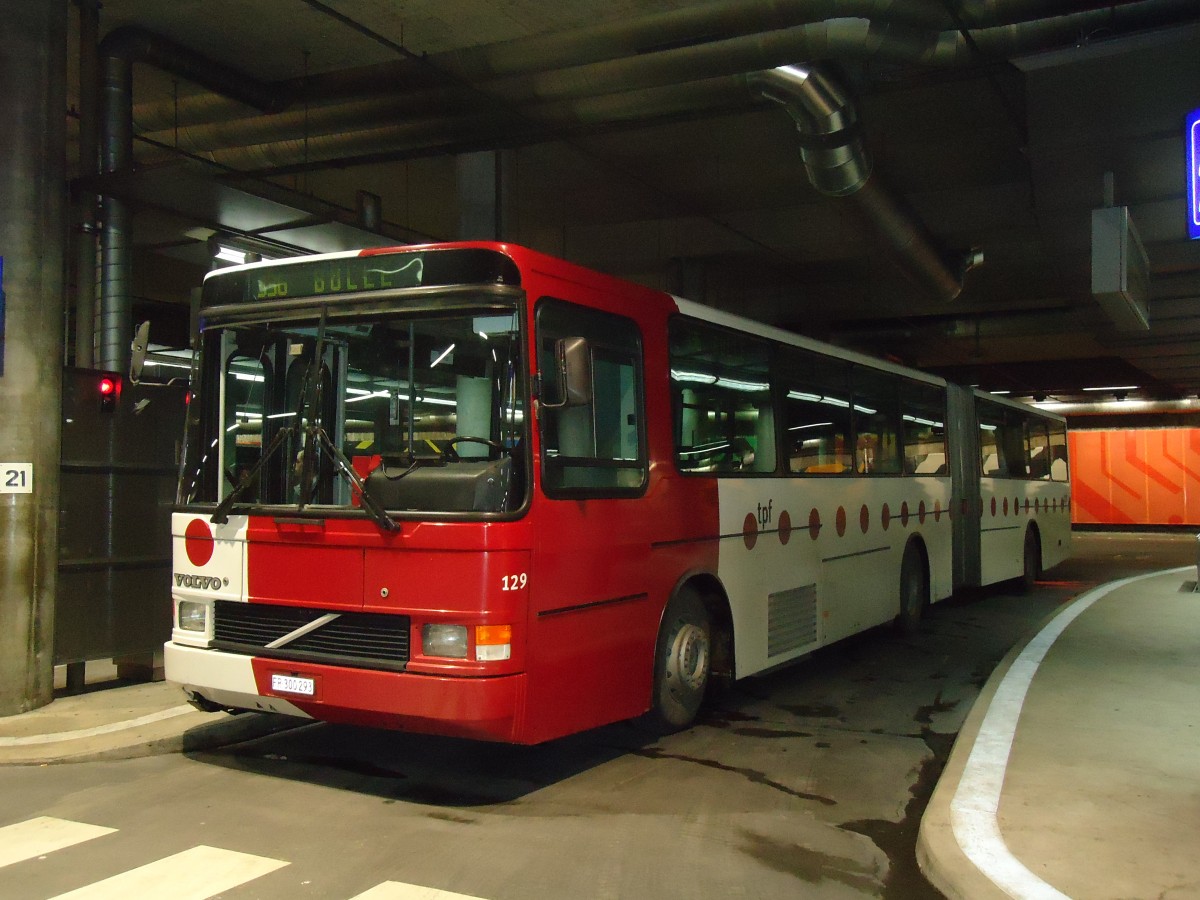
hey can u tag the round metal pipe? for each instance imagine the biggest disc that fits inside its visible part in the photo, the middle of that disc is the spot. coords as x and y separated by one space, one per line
33 80
84 235
115 326
842 38
641 36
838 166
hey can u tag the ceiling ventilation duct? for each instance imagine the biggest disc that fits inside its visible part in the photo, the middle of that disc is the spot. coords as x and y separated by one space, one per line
838 166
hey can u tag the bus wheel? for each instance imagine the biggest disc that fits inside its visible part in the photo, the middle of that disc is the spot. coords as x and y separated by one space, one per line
1032 565
683 661
914 590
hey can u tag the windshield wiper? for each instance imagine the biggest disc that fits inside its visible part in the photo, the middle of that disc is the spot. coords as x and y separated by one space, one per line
318 437
221 514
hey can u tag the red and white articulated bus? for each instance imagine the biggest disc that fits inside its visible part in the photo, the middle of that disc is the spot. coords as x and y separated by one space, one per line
473 490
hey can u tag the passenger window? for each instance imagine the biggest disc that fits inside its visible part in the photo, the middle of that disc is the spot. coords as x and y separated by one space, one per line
724 414
876 435
1037 450
596 448
816 408
923 419
1058 452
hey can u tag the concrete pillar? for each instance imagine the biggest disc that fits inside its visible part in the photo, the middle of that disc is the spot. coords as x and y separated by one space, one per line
485 195
32 237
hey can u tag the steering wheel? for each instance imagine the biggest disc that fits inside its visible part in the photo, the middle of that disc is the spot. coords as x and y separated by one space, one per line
450 453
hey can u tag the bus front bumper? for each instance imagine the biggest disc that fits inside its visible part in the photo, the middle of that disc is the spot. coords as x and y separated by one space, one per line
479 708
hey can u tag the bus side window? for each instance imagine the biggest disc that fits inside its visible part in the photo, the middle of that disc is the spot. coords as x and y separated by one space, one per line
923 421
594 448
816 406
724 414
876 408
991 448
1058 452
1037 450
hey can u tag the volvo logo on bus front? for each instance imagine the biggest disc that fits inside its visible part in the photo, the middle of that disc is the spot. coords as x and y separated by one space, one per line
200 582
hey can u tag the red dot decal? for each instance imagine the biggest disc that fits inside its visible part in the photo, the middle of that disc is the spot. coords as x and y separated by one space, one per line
885 518
904 514
198 541
785 527
921 513
864 519
750 531
993 506
937 510
840 522
814 524
1006 506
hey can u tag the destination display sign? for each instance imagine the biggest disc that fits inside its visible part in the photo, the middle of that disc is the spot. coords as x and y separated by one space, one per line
371 272
335 276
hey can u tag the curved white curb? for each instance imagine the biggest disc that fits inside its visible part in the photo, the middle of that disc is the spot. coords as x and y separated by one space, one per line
150 719
977 798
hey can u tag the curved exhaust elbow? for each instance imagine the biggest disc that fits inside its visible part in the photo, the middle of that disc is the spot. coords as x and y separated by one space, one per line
838 165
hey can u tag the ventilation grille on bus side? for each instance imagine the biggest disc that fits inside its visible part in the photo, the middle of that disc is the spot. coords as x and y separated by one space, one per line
363 640
791 619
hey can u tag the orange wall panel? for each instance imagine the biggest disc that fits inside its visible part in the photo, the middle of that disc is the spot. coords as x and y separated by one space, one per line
1135 476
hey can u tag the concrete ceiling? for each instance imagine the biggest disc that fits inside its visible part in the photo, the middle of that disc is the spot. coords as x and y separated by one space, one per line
629 145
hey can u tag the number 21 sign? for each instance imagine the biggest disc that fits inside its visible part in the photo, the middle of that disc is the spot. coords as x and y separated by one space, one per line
16 478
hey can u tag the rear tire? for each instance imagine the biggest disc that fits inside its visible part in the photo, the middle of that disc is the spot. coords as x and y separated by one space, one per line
1031 565
682 663
914 590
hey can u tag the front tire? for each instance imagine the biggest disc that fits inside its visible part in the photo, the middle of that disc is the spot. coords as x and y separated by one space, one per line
682 663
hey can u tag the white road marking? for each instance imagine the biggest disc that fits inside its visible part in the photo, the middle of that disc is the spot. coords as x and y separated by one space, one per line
194 874
27 840
977 798
398 890
149 719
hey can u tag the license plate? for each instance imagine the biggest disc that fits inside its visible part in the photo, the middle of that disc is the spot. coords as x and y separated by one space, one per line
293 684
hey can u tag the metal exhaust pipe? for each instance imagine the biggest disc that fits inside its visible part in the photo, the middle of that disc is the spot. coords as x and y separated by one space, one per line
838 166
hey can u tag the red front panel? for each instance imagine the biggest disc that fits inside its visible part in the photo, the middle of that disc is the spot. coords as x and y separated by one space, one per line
480 708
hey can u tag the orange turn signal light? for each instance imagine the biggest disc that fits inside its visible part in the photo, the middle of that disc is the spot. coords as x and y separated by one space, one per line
491 635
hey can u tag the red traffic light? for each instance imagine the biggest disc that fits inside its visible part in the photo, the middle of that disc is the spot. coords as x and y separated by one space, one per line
109 387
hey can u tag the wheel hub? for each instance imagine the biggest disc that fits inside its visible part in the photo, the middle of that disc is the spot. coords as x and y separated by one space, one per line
689 657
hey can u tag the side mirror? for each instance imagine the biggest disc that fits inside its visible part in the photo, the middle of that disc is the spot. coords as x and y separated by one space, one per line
573 372
138 350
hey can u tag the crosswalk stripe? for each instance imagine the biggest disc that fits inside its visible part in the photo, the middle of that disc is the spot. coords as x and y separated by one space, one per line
194 874
398 890
45 834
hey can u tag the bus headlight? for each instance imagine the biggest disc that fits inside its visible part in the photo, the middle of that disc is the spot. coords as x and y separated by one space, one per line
192 615
444 640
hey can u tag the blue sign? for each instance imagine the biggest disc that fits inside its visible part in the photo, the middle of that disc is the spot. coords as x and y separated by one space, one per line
1192 140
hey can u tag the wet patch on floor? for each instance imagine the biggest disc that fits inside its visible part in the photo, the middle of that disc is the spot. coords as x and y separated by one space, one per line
751 775
810 866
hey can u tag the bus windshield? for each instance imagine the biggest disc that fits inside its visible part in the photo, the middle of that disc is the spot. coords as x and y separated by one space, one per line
421 412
